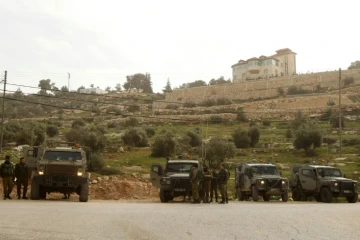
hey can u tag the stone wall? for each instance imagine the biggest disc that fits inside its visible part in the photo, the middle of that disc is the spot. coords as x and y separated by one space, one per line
257 89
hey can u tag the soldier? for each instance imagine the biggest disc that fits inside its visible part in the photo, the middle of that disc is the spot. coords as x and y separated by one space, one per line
214 186
195 183
22 177
7 174
223 177
207 183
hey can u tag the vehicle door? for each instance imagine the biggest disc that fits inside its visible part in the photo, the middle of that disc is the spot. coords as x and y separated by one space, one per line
156 171
307 179
31 155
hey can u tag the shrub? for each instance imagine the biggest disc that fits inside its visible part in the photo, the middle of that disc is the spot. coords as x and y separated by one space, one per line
113 109
294 90
172 106
281 91
334 120
241 138
218 150
78 123
326 115
216 119
133 108
96 163
150 132
74 135
135 137
223 101
164 145
131 122
52 130
348 81
254 134
195 139
111 171
94 140
96 110
208 103
189 105
351 142
240 115
307 138
111 124
288 133
329 141
298 121
330 102
266 123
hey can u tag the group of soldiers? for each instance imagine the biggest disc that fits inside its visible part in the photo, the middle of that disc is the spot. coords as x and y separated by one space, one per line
212 180
19 176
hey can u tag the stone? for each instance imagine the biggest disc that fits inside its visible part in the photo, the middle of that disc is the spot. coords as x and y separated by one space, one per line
121 150
94 182
134 175
106 178
99 179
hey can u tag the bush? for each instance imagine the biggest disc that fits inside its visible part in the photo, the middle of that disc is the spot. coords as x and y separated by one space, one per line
215 119
135 137
298 121
195 139
294 90
78 123
52 130
281 91
307 138
241 115
241 138
133 108
351 142
111 124
348 81
74 135
113 110
254 134
288 133
110 171
326 115
96 110
218 150
172 106
150 132
164 145
131 122
189 105
94 140
330 102
266 123
334 120
208 103
223 101
329 141
96 163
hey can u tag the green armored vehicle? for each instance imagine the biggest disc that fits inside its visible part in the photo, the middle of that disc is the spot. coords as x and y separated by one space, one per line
259 179
322 182
173 180
60 169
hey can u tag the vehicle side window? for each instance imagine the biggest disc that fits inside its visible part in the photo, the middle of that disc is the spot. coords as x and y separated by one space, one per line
30 153
155 169
307 173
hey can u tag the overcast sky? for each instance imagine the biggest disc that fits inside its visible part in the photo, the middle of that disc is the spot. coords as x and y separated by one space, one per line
100 42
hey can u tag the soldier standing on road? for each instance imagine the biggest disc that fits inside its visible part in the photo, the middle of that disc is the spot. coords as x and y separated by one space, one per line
214 185
195 183
7 174
207 183
223 177
22 177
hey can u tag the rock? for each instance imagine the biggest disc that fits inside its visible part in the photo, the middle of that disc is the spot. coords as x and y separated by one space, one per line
94 182
133 175
283 167
99 179
333 150
121 149
106 178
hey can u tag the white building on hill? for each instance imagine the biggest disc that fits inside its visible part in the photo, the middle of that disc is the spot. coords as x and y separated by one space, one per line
93 90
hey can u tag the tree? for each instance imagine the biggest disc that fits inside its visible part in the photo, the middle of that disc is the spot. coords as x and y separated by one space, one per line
52 130
64 89
81 87
218 150
167 88
108 89
298 121
146 84
92 85
18 94
45 85
135 137
138 81
326 115
334 120
164 145
254 134
307 137
118 87
240 115
195 139
354 65
220 80
241 138
77 123
197 83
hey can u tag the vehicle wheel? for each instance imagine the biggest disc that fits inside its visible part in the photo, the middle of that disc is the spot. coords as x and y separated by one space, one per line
326 195
296 195
240 195
254 194
84 192
285 196
163 197
35 194
266 198
318 198
353 199
42 194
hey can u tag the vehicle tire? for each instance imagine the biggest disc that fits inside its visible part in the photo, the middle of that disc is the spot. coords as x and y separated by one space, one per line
353 199
84 192
240 195
42 194
296 195
266 198
326 195
285 196
163 197
35 191
254 194
318 198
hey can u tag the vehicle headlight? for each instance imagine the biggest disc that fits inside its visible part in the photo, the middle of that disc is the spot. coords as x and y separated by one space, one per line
41 172
335 184
262 182
283 182
355 185
79 173
165 181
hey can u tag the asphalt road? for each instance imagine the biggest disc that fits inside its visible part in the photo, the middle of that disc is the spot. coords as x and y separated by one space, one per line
54 219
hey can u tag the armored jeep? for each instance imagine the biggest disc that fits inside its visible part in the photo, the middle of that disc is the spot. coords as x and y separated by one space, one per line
173 180
322 182
60 169
259 179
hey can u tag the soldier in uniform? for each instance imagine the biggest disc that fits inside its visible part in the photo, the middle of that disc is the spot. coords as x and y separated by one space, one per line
22 177
214 185
195 183
7 174
223 177
207 183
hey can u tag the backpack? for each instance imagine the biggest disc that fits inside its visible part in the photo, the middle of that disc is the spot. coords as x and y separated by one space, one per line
7 170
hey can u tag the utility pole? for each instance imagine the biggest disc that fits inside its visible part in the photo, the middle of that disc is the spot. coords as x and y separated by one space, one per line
2 114
69 82
340 123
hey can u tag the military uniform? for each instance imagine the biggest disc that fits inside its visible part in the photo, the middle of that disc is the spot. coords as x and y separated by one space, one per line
195 185
214 186
7 174
223 177
207 184
22 176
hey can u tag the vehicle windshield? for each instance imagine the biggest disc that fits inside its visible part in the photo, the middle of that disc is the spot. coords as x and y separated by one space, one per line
179 167
329 172
264 170
62 156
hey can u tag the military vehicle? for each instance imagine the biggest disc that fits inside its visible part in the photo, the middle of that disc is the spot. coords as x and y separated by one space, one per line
259 179
173 180
322 182
59 169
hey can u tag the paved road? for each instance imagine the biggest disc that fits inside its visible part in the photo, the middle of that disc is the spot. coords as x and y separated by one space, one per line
53 219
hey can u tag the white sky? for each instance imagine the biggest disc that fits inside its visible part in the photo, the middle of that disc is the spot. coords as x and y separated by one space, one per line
100 42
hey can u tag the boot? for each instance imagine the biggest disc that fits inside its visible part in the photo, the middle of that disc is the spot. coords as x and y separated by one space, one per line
8 196
222 201
227 201
19 197
24 197
196 202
